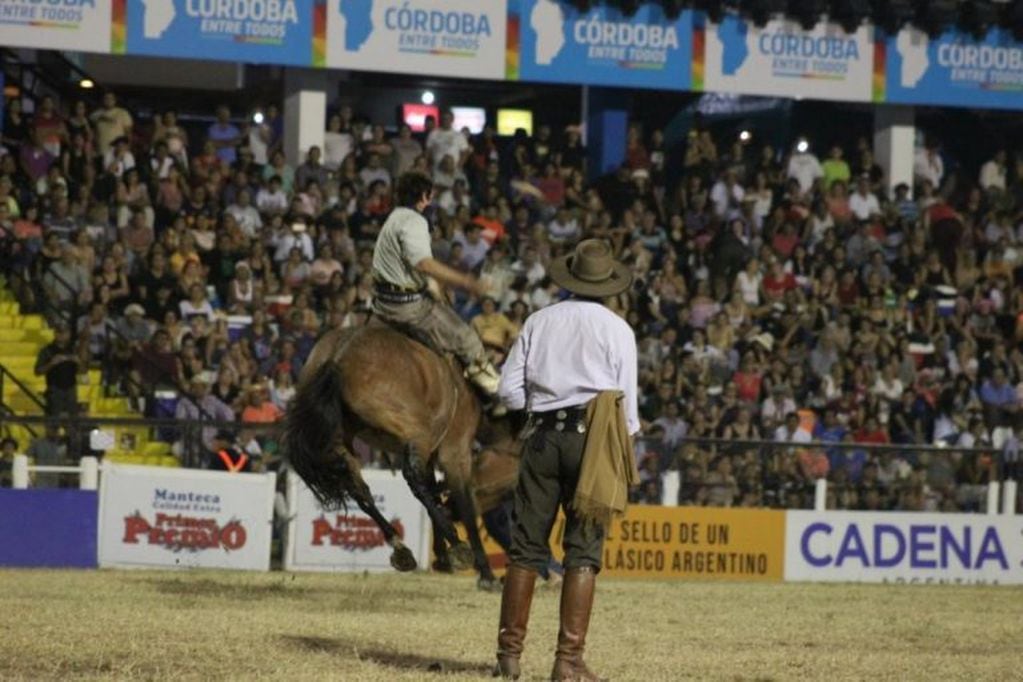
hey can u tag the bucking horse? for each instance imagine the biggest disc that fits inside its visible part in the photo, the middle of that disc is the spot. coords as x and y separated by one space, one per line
386 389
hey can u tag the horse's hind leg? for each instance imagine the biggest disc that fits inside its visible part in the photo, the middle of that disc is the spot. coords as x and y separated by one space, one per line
402 558
417 476
467 512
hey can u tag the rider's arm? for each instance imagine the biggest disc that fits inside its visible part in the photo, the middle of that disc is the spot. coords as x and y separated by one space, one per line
447 276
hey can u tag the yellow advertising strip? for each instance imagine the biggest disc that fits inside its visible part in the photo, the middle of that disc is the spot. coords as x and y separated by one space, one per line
683 543
694 543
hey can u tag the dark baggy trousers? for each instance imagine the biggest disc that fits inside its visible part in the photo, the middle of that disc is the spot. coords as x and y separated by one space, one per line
548 474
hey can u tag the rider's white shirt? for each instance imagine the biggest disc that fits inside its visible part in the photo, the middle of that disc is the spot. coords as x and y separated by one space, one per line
566 354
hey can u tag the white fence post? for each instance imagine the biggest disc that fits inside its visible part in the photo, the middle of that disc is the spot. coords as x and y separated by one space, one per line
19 472
1009 488
89 478
992 498
820 495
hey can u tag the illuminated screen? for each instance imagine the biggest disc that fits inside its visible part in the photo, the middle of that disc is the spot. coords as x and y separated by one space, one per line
415 115
509 120
473 118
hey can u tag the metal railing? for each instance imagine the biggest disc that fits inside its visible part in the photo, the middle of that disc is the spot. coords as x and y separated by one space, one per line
828 475
188 437
7 376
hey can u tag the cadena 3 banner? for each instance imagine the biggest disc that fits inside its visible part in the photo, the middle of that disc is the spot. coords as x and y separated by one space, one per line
443 37
782 59
602 46
258 31
900 547
80 25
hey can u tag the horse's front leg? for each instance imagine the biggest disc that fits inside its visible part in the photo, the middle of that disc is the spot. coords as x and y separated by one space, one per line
402 558
418 478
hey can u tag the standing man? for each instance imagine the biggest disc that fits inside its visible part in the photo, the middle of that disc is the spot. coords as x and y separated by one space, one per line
58 362
566 356
402 260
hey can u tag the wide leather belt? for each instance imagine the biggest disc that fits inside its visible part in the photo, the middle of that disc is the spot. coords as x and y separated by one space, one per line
392 294
565 419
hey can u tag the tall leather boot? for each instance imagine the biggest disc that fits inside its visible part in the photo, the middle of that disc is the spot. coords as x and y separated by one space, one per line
576 605
516 599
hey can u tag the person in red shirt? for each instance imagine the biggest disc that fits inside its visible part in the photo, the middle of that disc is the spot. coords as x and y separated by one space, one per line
748 380
871 432
777 282
784 242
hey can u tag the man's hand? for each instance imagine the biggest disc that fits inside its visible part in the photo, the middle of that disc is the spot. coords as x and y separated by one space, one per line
447 275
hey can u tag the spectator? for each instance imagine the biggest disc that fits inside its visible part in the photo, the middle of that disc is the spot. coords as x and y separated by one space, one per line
59 363
312 170
225 136
48 450
804 167
199 403
110 122
258 407
928 165
444 142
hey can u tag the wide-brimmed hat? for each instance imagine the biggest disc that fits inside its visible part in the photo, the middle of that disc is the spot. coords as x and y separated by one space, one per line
591 270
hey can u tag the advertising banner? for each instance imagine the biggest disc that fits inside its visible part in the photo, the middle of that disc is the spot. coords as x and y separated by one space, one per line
348 540
902 547
258 31
955 69
185 518
460 38
602 46
48 528
79 25
783 59
693 543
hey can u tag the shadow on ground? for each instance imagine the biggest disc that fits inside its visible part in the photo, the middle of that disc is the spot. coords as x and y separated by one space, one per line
380 656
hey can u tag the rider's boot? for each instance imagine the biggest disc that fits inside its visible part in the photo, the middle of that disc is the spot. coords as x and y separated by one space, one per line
486 378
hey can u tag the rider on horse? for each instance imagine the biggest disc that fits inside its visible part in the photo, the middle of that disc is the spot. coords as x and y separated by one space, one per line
402 260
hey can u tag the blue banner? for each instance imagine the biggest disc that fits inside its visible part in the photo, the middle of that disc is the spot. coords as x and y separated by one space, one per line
48 528
603 47
955 69
258 31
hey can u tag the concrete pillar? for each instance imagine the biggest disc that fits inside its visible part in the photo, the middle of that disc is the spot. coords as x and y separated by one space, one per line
305 112
894 139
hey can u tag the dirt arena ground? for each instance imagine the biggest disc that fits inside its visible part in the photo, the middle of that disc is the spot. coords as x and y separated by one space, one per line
218 625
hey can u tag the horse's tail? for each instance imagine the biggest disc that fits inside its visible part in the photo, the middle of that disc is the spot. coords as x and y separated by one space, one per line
310 440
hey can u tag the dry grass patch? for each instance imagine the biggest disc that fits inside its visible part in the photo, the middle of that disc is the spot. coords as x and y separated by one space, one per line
206 625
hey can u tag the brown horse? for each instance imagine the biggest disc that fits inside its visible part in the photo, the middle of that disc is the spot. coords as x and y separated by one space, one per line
378 385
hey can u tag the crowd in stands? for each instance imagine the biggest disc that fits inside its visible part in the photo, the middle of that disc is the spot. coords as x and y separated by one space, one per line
779 294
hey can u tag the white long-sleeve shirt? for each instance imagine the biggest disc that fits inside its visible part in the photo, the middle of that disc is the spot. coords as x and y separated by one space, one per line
566 354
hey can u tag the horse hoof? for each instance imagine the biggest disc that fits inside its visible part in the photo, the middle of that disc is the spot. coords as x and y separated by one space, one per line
490 584
402 559
461 556
443 566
